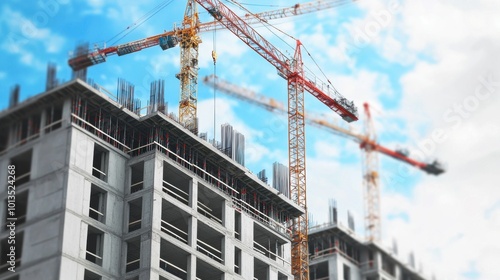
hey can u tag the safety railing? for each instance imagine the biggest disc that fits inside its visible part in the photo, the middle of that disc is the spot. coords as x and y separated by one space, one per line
175 192
208 250
134 225
264 251
174 232
207 212
133 265
92 257
135 187
95 214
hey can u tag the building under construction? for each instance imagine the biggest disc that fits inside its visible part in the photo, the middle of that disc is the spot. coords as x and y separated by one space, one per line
336 253
103 192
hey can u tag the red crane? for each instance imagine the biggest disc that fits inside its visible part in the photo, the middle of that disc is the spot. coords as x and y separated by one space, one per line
298 81
367 142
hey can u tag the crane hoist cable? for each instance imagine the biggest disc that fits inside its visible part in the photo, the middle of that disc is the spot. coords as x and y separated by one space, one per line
140 21
214 58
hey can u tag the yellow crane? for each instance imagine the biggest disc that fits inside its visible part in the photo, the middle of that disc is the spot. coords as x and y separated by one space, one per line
187 37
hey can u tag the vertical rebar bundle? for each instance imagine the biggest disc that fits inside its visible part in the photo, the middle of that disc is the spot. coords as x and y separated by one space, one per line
262 176
332 211
157 97
14 96
52 81
233 143
81 50
280 178
125 94
350 221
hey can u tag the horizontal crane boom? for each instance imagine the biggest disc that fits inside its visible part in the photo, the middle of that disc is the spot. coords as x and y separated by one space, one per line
271 104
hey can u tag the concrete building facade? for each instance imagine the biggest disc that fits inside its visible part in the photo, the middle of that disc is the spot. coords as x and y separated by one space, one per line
337 254
103 193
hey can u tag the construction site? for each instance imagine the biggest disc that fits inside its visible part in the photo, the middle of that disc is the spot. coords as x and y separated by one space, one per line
109 186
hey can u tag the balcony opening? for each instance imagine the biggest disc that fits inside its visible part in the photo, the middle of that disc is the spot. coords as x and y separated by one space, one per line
370 259
207 271
100 162
133 254
210 242
137 177
8 255
89 275
173 259
237 225
388 266
22 163
260 270
237 260
346 272
97 209
4 138
95 241
210 204
319 271
53 118
268 244
174 221
176 183
282 276
134 214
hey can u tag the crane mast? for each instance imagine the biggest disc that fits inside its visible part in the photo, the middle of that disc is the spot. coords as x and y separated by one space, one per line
297 166
367 142
371 184
188 76
298 82
189 41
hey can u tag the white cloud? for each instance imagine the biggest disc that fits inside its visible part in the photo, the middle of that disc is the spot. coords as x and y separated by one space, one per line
450 226
23 35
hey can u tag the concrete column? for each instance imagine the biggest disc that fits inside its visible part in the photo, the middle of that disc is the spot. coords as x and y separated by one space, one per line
146 255
397 272
228 216
193 194
43 122
157 174
66 112
247 264
378 260
150 174
247 225
147 210
191 267
192 232
272 273
228 253
155 251
333 267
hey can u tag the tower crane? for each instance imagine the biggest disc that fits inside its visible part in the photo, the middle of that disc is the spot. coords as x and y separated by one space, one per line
367 143
298 82
187 37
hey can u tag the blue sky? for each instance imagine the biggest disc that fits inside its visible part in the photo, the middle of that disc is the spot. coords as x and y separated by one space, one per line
429 71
